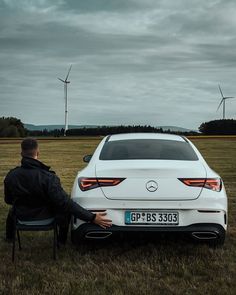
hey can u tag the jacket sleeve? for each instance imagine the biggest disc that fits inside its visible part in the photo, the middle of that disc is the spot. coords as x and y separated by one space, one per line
8 198
61 201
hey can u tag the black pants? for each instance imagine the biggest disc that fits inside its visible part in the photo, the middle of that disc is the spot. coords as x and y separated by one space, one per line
63 221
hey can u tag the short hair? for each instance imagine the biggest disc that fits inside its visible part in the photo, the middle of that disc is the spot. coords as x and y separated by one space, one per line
29 147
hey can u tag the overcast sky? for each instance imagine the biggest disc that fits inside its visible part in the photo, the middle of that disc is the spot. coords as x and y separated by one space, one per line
156 62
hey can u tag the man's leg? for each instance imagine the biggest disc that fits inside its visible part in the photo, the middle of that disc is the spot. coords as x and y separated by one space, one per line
63 222
10 226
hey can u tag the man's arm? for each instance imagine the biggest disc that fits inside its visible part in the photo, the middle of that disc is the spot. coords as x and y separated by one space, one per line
61 200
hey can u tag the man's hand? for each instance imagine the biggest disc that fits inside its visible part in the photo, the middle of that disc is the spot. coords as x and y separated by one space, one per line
102 221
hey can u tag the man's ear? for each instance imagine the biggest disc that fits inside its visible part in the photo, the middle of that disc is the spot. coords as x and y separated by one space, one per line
37 154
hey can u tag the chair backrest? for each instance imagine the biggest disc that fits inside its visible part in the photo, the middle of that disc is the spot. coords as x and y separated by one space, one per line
30 215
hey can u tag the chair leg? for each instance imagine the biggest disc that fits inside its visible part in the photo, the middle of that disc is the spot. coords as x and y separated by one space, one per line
13 246
18 237
54 243
58 245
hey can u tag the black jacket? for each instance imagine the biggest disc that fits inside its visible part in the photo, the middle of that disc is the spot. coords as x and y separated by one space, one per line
39 193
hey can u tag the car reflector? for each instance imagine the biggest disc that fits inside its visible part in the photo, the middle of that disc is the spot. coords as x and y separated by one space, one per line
214 184
87 183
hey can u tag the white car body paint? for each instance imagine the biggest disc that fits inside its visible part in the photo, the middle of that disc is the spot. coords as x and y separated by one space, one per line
195 205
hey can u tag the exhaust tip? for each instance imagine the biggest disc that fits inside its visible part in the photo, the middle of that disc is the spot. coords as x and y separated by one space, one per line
98 234
204 235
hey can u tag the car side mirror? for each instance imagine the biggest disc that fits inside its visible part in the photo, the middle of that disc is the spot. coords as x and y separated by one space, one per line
87 158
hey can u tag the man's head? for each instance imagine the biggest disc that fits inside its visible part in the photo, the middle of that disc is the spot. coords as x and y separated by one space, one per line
29 148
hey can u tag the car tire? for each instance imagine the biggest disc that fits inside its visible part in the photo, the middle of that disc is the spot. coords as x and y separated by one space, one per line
77 237
219 241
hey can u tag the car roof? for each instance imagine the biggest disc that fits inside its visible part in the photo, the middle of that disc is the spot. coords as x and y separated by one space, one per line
126 136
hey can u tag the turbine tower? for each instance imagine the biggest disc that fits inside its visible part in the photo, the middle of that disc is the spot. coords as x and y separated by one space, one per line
65 82
223 101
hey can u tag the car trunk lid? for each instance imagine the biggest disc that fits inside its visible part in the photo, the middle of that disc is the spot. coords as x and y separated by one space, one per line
151 179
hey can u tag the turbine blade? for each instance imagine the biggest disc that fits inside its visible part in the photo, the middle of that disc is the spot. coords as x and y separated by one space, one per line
68 73
221 92
228 97
220 104
61 80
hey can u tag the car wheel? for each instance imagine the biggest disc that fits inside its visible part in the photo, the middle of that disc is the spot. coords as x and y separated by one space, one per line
77 237
219 241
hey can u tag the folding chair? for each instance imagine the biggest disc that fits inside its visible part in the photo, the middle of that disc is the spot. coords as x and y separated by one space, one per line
34 225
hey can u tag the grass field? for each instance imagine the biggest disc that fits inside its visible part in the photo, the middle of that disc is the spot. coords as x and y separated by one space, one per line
139 265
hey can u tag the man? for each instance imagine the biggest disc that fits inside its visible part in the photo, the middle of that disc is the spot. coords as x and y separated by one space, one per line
38 194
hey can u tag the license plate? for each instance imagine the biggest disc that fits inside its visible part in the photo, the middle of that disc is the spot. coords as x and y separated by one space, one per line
152 217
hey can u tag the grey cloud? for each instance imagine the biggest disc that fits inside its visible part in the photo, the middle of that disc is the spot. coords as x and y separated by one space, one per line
134 62
101 5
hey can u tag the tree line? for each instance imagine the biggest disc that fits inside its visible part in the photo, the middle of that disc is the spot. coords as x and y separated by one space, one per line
13 127
104 130
219 127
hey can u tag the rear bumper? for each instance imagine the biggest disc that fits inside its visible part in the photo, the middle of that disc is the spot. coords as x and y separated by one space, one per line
187 218
85 229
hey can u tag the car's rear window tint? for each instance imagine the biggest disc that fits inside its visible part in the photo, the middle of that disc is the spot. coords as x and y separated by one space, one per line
158 149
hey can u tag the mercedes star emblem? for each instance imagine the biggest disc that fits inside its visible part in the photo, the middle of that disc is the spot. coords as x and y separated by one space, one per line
151 186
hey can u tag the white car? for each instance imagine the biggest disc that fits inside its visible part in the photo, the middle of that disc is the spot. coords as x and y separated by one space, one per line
151 182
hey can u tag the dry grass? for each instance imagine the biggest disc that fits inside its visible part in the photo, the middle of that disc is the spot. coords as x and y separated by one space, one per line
135 265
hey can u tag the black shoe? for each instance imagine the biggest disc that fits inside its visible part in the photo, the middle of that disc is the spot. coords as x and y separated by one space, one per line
62 239
61 245
9 240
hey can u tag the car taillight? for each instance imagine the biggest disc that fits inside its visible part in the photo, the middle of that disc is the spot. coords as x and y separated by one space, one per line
87 183
214 184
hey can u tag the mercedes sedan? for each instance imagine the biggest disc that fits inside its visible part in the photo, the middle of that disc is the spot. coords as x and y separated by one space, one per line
150 182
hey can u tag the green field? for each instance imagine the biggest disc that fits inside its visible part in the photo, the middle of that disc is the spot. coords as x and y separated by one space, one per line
165 265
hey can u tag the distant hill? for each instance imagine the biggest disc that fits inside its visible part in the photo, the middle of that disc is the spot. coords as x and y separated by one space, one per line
32 127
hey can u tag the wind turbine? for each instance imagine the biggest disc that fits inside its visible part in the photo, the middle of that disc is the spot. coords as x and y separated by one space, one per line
66 98
223 101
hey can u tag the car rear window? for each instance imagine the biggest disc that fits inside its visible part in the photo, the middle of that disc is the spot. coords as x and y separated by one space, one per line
138 149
